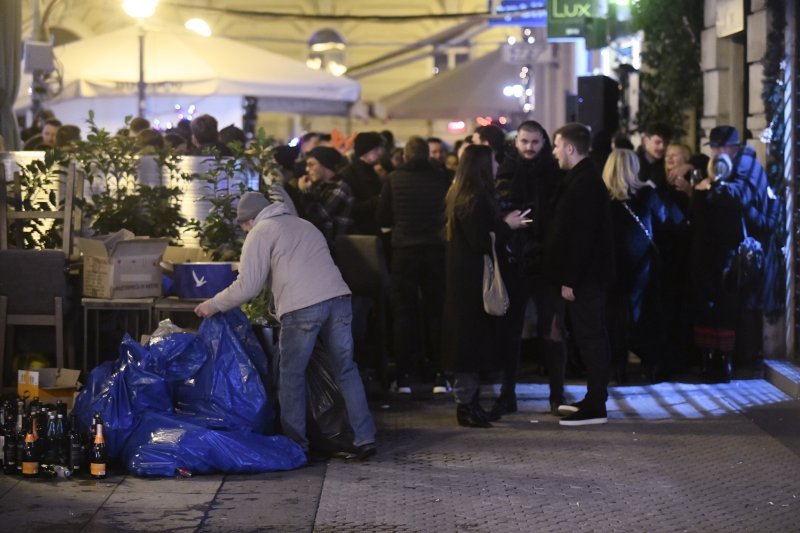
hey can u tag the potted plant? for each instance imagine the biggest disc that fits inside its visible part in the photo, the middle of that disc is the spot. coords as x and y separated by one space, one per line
117 200
39 182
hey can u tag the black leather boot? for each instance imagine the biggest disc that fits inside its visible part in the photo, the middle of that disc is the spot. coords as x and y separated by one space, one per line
726 369
471 416
503 406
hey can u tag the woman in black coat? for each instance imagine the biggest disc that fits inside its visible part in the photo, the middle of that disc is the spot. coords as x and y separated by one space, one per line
472 213
716 233
635 304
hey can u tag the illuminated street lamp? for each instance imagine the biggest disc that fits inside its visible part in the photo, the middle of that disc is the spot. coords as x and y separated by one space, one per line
140 10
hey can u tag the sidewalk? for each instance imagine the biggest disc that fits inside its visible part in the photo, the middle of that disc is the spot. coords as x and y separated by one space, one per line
672 457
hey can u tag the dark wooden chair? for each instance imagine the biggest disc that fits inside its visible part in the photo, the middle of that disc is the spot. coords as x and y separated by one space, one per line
33 285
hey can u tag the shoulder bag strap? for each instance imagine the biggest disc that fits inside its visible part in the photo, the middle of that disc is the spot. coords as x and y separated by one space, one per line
641 225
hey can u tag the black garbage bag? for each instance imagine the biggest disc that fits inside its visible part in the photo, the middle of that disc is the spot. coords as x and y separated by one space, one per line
329 430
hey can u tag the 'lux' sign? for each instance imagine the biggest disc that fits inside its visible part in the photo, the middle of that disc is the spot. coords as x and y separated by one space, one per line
567 9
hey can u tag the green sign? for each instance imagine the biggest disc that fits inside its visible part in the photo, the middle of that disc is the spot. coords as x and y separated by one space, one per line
569 18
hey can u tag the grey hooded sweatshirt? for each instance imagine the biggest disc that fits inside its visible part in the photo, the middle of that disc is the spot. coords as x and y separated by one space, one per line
292 254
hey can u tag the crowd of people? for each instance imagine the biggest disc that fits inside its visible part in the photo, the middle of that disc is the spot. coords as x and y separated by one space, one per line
621 252
618 251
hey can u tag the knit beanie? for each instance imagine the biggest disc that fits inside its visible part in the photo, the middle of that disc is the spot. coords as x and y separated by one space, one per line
329 158
250 205
286 156
366 141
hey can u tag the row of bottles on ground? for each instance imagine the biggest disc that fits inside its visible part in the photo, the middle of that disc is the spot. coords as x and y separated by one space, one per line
39 442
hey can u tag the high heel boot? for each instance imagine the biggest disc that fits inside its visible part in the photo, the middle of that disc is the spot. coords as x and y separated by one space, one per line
471 416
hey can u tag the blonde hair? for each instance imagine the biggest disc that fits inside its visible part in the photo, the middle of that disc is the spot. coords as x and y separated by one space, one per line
685 151
621 174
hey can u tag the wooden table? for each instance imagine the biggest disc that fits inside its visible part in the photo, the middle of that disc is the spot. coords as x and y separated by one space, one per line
130 307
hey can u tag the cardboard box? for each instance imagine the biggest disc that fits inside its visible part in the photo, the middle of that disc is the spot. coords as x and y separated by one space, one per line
49 384
122 265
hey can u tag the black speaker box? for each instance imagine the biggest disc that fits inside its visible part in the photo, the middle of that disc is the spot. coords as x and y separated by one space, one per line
598 98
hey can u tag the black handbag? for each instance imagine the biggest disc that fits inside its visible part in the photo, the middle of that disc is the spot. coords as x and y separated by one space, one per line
749 260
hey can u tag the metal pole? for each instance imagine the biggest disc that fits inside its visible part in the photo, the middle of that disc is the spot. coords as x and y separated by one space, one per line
142 96
789 172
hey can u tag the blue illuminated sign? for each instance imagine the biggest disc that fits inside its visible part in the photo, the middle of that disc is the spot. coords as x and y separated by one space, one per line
530 14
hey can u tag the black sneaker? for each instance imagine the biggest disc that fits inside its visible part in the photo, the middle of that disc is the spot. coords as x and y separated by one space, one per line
441 385
401 386
585 417
365 451
569 408
554 405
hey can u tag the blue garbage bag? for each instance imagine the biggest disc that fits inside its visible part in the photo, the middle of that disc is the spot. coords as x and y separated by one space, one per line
161 445
120 391
227 390
186 400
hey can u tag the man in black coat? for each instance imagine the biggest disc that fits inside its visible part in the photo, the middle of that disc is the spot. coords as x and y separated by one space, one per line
579 263
412 204
651 155
363 180
526 180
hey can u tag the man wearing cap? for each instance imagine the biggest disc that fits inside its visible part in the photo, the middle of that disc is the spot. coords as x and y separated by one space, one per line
744 193
328 200
312 300
363 180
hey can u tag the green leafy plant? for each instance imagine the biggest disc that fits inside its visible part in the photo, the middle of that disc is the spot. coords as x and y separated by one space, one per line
38 182
219 233
118 201
671 81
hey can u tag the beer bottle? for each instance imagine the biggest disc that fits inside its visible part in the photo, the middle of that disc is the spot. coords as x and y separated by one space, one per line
61 408
60 441
96 420
10 449
30 457
47 448
34 406
3 435
98 455
20 430
75 457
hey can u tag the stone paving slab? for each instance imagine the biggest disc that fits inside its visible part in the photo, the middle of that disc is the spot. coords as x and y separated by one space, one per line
715 474
284 502
674 457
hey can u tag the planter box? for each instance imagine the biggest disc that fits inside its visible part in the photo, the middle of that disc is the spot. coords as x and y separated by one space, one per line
202 280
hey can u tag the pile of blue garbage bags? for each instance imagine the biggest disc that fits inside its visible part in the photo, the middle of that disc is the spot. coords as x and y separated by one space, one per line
189 402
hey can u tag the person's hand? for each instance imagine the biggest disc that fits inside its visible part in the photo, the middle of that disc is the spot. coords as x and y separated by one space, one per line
680 171
304 183
517 219
204 309
703 185
567 293
681 184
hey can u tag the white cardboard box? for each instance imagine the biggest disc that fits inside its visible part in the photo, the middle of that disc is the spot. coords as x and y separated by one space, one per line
122 266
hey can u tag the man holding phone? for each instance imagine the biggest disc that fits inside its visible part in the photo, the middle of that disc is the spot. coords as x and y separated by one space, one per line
525 181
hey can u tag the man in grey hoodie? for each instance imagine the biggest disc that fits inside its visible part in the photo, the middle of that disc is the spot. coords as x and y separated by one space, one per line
311 299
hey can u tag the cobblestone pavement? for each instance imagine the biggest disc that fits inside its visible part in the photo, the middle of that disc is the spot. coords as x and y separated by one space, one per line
674 457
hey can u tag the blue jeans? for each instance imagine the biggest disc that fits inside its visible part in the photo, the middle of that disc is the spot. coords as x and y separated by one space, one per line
331 320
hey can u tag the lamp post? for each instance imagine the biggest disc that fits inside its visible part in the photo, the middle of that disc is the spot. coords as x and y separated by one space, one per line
140 10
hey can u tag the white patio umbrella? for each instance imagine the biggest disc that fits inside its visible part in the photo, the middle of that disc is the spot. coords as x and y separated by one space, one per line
102 73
